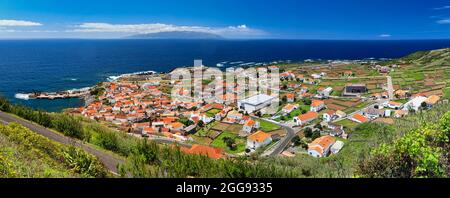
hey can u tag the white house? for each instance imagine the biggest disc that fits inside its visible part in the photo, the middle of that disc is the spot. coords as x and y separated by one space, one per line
394 105
325 92
287 75
373 113
290 97
255 103
317 105
415 103
235 115
250 125
289 108
258 140
306 118
221 115
329 115
316 76
359 118
321 147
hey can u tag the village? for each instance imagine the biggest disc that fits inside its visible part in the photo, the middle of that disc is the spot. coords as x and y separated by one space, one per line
320 105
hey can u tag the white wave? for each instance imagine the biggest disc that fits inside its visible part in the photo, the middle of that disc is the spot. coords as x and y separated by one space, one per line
114 78
22 96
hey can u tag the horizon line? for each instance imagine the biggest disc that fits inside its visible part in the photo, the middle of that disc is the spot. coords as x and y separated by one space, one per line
230 39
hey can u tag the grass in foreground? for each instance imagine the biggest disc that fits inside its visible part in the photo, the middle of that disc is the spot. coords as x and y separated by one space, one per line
26 154
368 137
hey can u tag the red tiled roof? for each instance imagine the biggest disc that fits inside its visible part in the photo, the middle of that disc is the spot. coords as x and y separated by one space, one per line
308 116
214 153
317 103
250 123
259 136
360 118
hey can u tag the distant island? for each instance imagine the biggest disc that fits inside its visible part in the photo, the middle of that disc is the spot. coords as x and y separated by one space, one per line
177 35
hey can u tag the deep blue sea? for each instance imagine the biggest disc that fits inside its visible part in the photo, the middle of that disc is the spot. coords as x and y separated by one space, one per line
52 65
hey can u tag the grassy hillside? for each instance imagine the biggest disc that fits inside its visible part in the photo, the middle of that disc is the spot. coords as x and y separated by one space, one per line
146 159
359 149
17 161
24 154
425 72
422 152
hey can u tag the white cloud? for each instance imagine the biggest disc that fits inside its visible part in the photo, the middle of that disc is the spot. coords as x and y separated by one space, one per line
3 30
385 35
18 23
241 30
443 8
443 21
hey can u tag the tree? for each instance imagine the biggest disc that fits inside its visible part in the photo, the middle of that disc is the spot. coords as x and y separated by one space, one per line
424 105
318 126
315 134
307 101
186 121
230 142
308 132
297 141
201 124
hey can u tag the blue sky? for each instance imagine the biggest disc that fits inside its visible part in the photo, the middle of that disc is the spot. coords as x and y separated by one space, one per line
284 19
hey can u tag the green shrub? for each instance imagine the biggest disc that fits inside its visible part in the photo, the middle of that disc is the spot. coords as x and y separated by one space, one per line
75 159
419 153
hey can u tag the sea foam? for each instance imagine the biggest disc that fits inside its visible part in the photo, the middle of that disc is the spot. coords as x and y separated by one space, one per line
22 96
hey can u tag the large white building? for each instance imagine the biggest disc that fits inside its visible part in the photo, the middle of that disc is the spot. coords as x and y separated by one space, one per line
255 103
415 103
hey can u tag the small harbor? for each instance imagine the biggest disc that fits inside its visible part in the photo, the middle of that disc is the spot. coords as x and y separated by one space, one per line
74 93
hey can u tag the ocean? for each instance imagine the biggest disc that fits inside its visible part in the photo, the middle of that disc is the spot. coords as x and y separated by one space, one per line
53 65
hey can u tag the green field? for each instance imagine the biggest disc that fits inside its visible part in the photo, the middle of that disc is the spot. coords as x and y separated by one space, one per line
212 113
267 126
219 143
403 101
348 124
357 107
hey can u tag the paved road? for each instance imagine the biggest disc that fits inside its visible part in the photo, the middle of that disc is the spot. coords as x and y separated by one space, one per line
109 160
283 143
390 87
